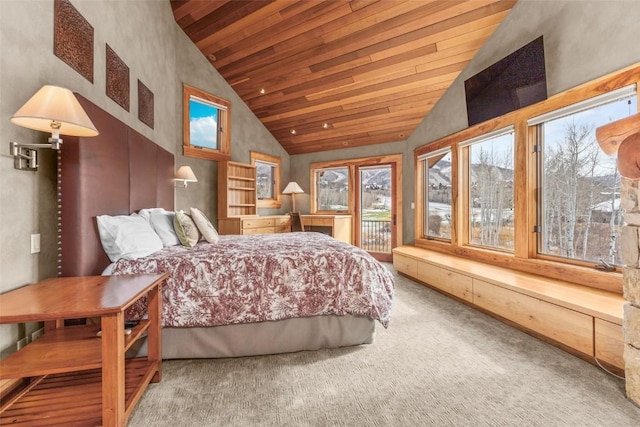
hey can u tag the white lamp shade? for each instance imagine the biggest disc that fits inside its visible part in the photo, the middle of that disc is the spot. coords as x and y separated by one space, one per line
186 174
53 103
292 188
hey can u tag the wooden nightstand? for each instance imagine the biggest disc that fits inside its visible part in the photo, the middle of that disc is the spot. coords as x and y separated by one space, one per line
72 376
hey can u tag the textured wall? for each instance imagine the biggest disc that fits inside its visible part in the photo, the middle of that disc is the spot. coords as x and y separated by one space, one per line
144 35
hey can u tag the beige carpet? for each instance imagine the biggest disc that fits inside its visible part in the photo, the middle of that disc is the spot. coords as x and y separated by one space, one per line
440 363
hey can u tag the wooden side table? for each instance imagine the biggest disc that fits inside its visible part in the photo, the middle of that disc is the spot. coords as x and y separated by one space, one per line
74 376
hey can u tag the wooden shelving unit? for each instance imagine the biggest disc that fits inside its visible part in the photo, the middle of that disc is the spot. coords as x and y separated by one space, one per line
236 189
72 376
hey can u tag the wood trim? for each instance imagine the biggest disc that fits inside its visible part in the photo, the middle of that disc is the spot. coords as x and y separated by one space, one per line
277 201
224 151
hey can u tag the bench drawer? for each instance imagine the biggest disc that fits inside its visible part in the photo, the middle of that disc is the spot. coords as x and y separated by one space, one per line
609 342
558 323
406 265
450 282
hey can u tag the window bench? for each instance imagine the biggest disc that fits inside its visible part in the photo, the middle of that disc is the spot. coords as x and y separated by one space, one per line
584 321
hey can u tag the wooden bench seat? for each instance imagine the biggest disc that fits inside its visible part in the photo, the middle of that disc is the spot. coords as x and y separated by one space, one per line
583 320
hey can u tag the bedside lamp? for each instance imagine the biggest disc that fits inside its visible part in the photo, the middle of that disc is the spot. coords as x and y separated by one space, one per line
186 175
52 109
293 188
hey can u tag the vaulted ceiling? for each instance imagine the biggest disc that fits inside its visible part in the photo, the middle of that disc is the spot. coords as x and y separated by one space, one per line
323 75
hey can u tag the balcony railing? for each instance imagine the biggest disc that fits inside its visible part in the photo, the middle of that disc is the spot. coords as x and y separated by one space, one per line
375 236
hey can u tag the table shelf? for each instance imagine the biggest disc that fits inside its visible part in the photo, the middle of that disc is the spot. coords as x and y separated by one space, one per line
56 398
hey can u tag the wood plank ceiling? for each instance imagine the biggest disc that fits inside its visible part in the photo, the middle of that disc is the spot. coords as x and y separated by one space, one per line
323 75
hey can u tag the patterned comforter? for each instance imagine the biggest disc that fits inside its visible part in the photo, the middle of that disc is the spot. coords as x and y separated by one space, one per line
254 278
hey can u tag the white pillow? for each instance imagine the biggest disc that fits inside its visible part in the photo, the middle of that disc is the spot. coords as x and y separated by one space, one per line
205 227
127 236
146 213
162 224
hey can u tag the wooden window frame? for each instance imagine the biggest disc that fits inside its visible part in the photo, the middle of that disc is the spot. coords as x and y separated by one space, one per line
313 208
224 121
524 257
277 163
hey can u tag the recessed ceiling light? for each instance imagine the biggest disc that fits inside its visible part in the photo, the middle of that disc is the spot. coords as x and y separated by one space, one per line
293 131
262 91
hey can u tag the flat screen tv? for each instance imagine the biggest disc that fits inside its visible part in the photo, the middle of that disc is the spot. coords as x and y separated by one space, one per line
514 82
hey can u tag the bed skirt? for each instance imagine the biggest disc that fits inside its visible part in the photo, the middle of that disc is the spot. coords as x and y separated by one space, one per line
280 336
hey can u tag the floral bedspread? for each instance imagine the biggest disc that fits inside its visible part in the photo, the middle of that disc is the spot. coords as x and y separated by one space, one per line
254 278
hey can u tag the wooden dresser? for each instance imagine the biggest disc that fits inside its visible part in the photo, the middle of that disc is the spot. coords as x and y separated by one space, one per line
255 224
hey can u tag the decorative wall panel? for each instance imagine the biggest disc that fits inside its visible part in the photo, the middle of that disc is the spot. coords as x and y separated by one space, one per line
73 38
145 104
117 79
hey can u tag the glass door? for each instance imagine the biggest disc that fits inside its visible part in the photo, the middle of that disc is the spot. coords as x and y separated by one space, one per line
375 214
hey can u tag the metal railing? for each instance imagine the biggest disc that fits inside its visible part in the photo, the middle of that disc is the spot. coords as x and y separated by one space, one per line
375 236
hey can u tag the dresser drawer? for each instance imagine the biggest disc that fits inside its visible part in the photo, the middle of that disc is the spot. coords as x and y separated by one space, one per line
257 223
282 222
263 230
318 221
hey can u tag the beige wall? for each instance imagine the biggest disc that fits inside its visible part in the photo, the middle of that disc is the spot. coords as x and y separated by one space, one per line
144 34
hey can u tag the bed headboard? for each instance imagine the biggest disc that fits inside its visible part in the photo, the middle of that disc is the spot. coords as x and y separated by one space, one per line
115 173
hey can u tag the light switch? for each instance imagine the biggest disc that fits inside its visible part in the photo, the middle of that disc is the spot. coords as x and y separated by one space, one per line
35 243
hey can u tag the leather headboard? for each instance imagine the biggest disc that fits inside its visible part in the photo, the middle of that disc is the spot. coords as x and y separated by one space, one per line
115 173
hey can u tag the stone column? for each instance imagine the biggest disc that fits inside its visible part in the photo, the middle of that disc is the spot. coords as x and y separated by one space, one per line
630 252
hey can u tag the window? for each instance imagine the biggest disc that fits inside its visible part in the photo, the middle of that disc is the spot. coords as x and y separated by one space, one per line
490 184
579 215
332 189
532 190
207 125
437 211
268 179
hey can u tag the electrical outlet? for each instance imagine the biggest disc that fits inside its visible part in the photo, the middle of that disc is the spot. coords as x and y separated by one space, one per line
37 334
21 343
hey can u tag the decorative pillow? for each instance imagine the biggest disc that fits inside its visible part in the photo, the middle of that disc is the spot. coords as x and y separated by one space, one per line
146 213
186 229
162 224
127 236
204 225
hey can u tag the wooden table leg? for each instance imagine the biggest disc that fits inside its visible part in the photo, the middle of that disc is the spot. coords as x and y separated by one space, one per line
113 404
154 336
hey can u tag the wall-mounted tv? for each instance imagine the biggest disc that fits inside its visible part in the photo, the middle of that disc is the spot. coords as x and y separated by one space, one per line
514 82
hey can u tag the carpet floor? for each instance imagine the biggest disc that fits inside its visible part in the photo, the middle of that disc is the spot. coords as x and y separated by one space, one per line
440 363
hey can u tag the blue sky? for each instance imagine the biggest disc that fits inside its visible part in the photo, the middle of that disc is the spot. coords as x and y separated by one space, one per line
203 124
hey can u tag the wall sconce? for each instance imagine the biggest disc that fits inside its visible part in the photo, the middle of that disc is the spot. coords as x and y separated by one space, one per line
52 109
293 188
186 175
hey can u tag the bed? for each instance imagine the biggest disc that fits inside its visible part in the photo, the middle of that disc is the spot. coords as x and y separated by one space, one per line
331 297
